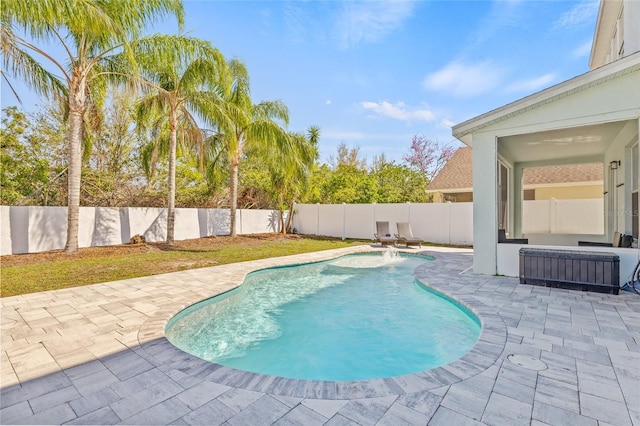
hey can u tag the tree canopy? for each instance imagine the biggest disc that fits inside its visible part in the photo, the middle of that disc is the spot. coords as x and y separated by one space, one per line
201 140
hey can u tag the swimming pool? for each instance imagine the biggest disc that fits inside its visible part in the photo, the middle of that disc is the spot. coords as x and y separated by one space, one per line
357 317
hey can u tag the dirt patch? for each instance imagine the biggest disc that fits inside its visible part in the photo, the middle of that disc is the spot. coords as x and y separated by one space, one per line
207 243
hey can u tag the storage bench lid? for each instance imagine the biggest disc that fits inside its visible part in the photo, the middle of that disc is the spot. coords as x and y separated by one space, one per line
569 254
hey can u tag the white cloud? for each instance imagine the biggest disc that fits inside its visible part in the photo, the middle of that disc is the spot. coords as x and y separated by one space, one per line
465 80
297 19
581 14
446 123
328 102
582 51
398 111
531 85
370 21
502 15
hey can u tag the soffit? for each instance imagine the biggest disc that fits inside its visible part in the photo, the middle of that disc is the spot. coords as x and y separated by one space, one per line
585 141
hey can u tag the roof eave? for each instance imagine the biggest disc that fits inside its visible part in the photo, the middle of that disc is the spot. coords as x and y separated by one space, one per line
464 130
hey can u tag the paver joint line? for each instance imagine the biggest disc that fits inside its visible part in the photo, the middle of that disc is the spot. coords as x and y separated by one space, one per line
573 333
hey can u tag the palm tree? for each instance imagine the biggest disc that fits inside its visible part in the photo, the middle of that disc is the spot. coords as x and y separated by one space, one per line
183 79
89 32
253 127
291 172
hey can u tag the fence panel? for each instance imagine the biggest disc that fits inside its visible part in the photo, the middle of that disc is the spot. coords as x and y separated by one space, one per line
46 228
461 223
214 222
107 227
392 213
28 229
431 221
5 230
359 221
535 217
580 216
331 220
305 219
259 221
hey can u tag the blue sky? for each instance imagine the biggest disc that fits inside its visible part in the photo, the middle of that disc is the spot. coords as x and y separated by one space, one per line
376 73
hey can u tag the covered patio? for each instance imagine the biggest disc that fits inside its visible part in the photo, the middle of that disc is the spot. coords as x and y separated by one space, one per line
592 118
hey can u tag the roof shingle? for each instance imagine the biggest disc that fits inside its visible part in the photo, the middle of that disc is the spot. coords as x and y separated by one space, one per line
458 173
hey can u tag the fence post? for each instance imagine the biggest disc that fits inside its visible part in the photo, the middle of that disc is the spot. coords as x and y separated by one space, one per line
449 220
344 220
317 218
374 219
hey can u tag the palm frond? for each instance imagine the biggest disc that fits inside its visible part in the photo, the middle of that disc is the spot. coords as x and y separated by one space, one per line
22 65
272 110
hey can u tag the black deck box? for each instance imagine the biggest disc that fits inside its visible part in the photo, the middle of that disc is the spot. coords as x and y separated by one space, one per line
571 269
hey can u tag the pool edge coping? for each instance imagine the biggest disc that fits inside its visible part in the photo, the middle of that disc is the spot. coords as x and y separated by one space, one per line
157 349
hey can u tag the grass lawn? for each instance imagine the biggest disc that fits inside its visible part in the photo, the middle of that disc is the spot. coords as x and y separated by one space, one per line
30 273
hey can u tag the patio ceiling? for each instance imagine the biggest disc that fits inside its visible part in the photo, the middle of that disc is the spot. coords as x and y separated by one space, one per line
561 144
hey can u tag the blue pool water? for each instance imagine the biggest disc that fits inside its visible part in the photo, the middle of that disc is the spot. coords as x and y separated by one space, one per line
357 317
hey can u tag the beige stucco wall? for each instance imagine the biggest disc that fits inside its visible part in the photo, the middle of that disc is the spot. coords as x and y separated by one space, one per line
569 192
436 197
461 197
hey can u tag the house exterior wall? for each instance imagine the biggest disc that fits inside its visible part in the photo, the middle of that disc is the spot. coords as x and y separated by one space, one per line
617 32
452 196
569 192
615 100
631 16
457 197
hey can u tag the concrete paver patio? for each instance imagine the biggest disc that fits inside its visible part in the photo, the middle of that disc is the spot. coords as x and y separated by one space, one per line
97 355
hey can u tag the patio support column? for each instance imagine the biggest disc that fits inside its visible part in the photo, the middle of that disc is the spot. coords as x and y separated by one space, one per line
485 203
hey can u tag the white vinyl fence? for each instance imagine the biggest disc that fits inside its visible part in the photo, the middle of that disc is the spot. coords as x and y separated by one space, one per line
442 223
34 229
585 216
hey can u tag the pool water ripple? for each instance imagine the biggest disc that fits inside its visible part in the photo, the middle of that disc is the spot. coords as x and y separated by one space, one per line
357 317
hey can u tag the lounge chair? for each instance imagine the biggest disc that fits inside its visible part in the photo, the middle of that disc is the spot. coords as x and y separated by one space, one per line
502 238
383 235
619 240
405 236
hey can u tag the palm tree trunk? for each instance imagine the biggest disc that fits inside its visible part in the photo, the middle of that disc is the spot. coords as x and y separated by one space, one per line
287 227
74 159
233 189
171 212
